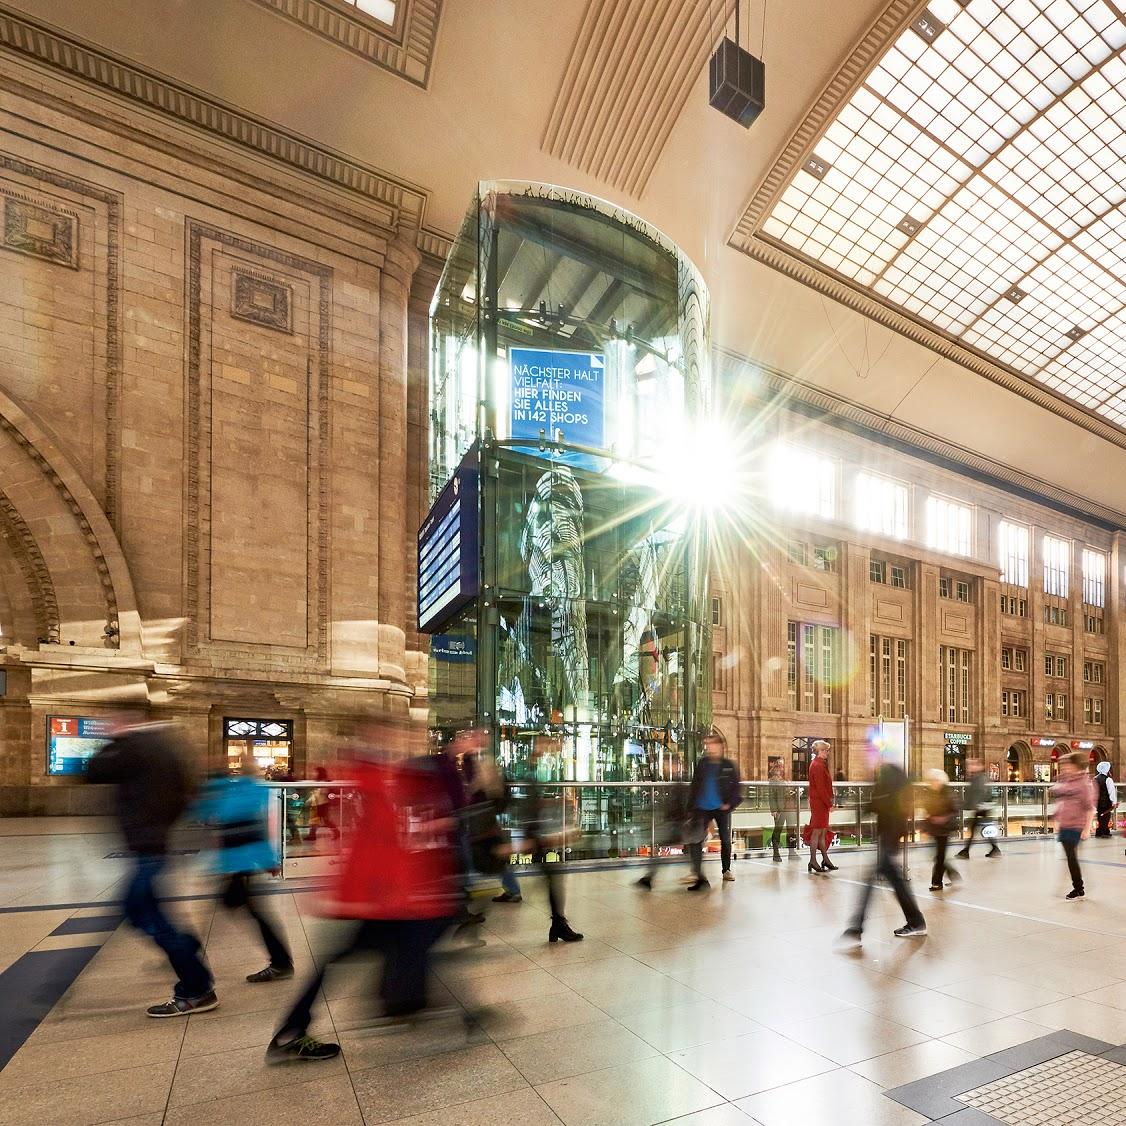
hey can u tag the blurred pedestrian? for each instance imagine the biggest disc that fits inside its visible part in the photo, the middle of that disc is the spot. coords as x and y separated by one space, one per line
715 791
1075 806
237 807
780 799
398 884
941 814
536 817
1106 798
320 807
154 788
820 803
891 802
977 799
670 829
487 796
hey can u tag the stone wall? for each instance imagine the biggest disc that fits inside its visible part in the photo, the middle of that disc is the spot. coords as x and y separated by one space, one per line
212 421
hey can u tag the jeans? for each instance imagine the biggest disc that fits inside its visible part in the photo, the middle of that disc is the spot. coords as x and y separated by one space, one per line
702 819
1070 839
508 880
888 867
405 945
143 910
237 894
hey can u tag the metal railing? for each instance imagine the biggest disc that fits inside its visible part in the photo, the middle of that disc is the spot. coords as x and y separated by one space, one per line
600 821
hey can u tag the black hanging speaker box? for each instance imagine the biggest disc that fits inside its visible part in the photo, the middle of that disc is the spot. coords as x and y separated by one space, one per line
737 83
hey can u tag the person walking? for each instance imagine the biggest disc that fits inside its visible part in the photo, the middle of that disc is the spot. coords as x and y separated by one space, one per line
780 798
891 802
1106 799
670 833
715 791
820 803
941 812
237 807
320 807
154 788
1075 806
399 884
977 798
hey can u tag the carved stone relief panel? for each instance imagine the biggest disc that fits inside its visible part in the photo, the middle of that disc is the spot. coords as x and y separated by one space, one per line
259 351
60 242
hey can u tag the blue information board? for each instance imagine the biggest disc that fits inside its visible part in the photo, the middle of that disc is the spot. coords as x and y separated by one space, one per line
448 564
453 648
73 740
554 391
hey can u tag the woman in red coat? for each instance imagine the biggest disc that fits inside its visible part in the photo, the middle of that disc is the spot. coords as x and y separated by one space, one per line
820 802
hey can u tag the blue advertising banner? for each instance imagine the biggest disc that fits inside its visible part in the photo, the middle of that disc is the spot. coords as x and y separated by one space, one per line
554 391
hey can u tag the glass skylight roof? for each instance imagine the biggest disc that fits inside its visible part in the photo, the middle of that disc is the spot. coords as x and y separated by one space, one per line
977 179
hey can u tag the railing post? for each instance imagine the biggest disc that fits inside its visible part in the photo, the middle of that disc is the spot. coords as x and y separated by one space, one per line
1005 808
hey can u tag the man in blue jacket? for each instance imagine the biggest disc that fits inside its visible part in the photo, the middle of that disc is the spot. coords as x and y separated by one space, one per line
714 793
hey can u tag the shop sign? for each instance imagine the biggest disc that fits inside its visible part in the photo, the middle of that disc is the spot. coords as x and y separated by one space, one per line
1037 741
958 739
1082 745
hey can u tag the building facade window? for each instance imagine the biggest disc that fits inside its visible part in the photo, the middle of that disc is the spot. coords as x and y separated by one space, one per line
899 578
802 481
962 591
1061 705
1013 703
945 586
1057 562
881 506
949 526
812 659
717 611
1012 547
887 676
1093 709
877 571
955 685
1094 672
796 551
1055 614
1014 606
825 557
1093 621
1055 665
1094 578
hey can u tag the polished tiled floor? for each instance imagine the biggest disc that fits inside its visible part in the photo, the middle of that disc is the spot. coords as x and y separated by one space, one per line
725 1008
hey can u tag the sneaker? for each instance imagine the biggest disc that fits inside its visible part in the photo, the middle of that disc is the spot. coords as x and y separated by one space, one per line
850 939
271 973
1075 893
728 877
504 897
184 1006
911 932
963 855
646 882
698 885
301 1048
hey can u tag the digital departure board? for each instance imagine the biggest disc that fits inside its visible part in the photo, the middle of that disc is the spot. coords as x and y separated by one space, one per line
448 564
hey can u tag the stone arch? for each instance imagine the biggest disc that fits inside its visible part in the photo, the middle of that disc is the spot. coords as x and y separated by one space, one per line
66 549
1020 756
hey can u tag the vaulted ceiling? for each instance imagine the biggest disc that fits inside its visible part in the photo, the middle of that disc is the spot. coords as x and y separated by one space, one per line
915 241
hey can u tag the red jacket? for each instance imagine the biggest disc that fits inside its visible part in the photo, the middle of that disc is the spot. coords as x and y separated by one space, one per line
820 787
398 865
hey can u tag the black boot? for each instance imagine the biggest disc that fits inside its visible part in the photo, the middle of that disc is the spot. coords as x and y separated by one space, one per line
561 931
777 856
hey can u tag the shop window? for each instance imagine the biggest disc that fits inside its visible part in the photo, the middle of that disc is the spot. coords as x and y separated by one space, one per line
268 741
877 571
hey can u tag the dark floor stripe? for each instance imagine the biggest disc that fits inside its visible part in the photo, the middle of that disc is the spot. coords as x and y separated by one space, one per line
30 988
93 924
